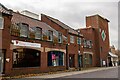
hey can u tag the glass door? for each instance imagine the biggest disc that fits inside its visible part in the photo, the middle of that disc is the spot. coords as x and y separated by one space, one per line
1 61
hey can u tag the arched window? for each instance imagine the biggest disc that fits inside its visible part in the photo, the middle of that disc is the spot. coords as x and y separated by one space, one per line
26 58
50 35
38 33
24 29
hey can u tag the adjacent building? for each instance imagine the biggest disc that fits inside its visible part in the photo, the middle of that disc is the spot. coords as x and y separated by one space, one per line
96 41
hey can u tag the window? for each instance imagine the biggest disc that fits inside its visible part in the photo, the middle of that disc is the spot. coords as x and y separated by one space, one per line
78 40
71 39
38 34
88 58
85 43
101 49
90 44
24 30
50 35
1 22
26 58
55 58
59 37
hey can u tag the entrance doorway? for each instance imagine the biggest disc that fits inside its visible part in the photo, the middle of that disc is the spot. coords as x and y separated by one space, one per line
1 61
71 60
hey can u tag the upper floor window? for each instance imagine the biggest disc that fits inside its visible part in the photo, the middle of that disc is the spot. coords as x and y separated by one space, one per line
50 35
78 40
71 39
90 46
85 43
24 29
59 37
1 22
38 33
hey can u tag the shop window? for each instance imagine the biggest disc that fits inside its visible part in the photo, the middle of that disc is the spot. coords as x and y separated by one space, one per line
78 40
71 39
50 35
59 37
38 34
26 58
88 58
55 58
24 29
1 22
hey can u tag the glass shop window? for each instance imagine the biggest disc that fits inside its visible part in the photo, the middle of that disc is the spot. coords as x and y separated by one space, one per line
26 58
55 58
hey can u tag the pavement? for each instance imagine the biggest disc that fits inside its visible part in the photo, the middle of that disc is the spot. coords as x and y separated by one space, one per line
60 73
57 75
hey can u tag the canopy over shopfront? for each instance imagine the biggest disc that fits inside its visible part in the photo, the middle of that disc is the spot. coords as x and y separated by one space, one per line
112 55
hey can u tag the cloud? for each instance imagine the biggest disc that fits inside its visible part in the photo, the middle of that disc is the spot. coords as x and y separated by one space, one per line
72 12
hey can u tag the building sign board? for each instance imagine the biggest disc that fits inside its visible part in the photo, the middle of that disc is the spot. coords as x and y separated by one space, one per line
26 44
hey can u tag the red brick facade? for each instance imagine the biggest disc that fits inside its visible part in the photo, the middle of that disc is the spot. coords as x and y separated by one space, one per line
92 50
96 26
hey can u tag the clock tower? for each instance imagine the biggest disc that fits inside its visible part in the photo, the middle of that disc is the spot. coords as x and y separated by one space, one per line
101 39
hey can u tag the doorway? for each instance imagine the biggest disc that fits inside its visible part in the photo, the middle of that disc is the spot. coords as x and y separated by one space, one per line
71 60
1 61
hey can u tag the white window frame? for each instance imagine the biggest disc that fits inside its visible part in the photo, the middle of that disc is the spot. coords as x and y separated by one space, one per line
2 23
72 39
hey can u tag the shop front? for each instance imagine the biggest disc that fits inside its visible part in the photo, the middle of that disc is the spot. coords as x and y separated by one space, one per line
87 59
56 60
26 57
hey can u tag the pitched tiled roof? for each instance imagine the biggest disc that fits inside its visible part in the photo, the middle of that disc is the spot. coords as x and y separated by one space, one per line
20 18
4 10
62 24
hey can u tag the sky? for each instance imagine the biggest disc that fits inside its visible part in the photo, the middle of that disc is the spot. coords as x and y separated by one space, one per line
72 12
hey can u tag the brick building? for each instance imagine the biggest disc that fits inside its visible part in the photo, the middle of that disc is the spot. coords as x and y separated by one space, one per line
74 40
96 31
30 45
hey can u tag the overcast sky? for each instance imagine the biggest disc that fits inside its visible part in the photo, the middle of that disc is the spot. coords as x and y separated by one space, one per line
72 12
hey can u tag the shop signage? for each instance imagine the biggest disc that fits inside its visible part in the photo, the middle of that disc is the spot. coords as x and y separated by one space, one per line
26 44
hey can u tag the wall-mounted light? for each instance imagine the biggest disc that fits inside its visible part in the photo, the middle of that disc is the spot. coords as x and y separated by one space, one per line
8 59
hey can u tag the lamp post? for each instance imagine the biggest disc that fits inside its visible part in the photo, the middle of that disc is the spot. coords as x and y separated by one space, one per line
67 62
79 55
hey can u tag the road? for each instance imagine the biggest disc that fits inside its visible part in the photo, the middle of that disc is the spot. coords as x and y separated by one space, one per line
109 73
103 74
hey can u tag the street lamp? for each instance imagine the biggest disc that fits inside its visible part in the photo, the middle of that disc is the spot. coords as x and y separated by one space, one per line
79 55
67 65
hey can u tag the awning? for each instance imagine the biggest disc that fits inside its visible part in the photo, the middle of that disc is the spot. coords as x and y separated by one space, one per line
112 55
